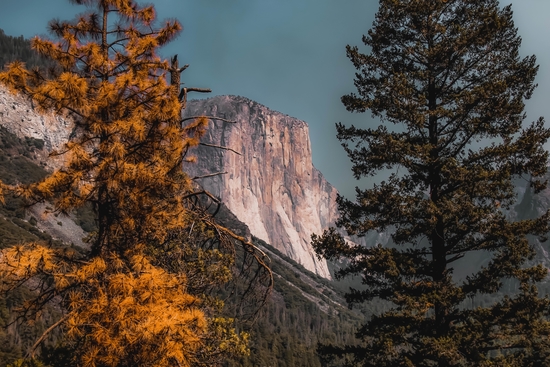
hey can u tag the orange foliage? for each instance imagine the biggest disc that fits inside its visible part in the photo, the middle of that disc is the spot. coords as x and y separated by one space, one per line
123 312
125 158
128 137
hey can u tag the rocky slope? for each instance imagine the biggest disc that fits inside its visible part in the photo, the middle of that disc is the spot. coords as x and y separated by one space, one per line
272 186
533 206
20 117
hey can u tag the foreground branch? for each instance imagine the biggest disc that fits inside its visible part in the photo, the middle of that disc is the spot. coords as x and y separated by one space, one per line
209 175
220 147
210 118
203 192
30 353
183 94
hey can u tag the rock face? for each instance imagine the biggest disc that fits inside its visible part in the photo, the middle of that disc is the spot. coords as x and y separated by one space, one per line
20 117
272 186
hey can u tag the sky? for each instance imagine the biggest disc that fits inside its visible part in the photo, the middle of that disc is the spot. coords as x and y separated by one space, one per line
286 54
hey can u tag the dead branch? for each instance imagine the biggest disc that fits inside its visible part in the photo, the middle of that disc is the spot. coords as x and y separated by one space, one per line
210 118
183 68
259 256
203 192
220 147
209 175
245 241
200 90
30 353
183 94
175 80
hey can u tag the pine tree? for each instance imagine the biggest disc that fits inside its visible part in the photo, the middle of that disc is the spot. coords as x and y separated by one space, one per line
127 299
447 82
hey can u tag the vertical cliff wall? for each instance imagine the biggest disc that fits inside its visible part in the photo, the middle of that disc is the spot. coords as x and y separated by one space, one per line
272 186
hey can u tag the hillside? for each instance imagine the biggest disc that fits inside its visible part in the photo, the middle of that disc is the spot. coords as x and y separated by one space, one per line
303 310
272 194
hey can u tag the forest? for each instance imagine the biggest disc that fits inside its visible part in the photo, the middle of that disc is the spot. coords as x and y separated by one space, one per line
165 279
285 332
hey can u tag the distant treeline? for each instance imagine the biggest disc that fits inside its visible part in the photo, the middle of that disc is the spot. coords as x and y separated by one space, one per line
19 48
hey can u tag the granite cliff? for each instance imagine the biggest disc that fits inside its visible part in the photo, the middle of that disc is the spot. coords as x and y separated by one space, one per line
272 186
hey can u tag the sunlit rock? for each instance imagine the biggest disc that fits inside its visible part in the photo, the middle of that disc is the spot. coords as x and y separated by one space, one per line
272 186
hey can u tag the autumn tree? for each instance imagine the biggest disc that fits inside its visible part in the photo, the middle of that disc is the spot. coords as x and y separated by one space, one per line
125 303
448 83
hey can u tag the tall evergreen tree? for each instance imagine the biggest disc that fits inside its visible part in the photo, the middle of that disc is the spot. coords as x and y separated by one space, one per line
447 82
126 301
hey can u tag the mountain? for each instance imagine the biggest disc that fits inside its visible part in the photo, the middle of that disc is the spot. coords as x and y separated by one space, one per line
268 181
272 186
532 205
303 310
19 116
271 178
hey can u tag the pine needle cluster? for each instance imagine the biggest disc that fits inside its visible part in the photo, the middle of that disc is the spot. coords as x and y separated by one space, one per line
127 300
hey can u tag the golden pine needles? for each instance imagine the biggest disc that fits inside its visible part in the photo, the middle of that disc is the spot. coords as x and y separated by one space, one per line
126 301
139 315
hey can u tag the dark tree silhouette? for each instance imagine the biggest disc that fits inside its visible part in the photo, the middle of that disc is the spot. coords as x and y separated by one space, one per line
447 81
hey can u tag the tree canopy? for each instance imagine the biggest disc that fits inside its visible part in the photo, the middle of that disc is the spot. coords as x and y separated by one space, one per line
127 299
448 83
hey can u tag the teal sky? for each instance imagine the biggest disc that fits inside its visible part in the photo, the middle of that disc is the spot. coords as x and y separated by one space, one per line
286 54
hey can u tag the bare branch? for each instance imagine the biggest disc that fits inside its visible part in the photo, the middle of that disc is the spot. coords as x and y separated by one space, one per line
220 147
203 192
209 175
210 118
200 90
246 242
209 195
30 353
183 94
260 256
